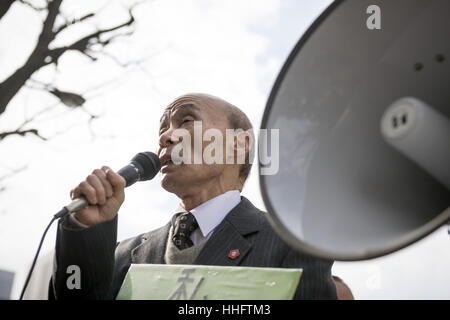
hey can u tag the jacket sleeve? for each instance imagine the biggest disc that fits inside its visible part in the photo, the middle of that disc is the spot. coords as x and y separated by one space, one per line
316 281
85 255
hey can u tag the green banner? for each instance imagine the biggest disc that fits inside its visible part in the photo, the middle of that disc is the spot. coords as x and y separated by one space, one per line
196 282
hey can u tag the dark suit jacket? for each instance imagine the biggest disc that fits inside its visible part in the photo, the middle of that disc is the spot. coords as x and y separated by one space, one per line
103 263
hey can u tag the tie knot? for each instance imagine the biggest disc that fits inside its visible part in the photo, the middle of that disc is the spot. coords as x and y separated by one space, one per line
186 221
185 224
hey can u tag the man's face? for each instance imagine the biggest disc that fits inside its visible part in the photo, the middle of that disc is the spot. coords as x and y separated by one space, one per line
178 120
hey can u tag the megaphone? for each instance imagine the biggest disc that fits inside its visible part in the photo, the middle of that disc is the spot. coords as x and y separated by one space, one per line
363 113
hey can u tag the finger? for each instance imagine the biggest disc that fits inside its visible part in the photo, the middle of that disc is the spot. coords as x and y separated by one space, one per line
117 181
76 193
105 169
85 189
95 182
106 185
72 194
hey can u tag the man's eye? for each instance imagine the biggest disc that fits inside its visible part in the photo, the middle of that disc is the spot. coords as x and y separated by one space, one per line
187 120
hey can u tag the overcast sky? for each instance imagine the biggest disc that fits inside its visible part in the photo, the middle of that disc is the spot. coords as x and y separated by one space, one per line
232 49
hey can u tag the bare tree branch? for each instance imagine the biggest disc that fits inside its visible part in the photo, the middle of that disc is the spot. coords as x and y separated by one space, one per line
85 44
43 56
35 132
32 6
73 21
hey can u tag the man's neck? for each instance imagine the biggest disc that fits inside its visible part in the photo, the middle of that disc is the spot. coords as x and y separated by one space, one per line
197 197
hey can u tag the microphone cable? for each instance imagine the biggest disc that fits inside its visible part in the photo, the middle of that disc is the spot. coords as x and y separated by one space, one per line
58 215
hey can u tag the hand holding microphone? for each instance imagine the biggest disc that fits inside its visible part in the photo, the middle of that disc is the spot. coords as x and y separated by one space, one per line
105 192
98 198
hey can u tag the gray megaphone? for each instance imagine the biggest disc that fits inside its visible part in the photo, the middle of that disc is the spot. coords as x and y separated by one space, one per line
363 113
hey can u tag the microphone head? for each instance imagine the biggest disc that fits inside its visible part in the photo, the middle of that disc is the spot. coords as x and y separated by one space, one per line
148 164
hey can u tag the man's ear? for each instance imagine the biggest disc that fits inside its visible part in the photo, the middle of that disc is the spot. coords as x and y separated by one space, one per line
242 144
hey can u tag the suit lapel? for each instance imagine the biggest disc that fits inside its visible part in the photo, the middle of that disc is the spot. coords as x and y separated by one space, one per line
224 239
228 244
152 247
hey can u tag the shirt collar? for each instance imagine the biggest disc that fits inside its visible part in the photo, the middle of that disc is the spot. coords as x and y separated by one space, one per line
211 213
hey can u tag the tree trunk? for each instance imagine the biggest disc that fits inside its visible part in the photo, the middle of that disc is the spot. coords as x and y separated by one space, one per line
12 85
4 6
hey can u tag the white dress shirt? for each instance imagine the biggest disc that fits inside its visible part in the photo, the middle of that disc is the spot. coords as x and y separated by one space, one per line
210 214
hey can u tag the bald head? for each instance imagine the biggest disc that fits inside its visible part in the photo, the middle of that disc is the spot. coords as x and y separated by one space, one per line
204 100
236 119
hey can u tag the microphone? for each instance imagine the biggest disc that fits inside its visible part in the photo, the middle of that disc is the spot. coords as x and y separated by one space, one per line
144 166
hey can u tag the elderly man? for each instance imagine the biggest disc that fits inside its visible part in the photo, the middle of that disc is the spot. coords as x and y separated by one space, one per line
211 220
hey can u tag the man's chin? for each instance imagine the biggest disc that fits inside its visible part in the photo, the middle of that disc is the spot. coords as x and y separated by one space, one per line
167 168
170 181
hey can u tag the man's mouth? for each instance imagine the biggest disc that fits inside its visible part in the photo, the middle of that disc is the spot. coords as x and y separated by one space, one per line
166 160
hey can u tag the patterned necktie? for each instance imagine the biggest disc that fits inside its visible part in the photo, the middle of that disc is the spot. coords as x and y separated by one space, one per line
185 224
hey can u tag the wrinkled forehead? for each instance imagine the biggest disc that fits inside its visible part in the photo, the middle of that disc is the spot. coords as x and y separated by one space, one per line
202 103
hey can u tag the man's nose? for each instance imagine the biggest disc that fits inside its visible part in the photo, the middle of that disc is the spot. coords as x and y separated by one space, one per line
168 138
165 139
